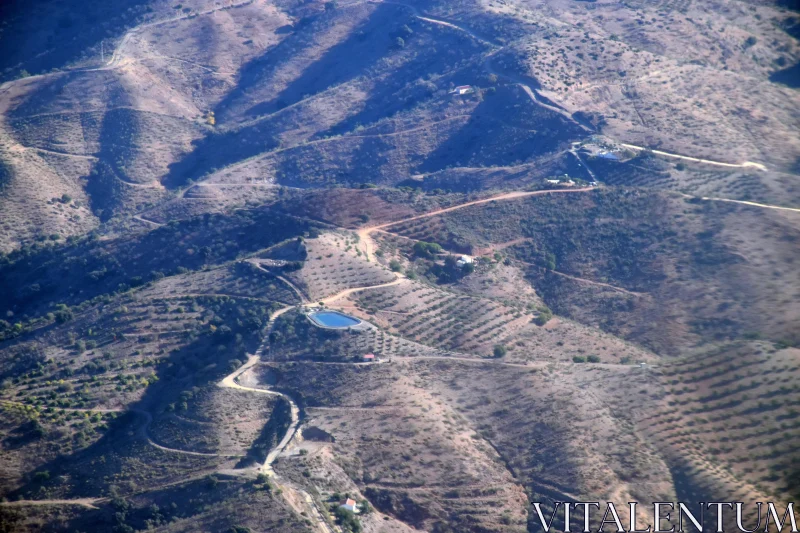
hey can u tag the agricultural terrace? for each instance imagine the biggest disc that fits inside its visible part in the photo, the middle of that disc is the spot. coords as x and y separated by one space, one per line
241 280
126 353
215 420
457 322
731 415
294 337
408 451
335 262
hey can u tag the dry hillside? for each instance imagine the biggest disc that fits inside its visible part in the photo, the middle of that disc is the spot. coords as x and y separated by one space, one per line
183 183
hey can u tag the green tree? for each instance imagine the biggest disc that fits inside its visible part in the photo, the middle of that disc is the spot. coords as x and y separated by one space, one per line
426 249
499 351
545 314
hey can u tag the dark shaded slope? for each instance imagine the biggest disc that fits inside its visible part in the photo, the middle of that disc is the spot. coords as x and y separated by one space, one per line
77 272
41 35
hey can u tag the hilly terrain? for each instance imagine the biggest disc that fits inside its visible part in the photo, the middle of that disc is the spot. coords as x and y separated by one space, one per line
564 235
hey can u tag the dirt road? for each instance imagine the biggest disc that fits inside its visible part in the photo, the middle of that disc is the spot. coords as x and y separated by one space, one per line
231 381
746 164
754 204
369 246
300 294
89 503
505 196
329 299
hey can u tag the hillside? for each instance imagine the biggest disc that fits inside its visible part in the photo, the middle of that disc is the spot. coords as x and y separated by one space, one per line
662 270
442 259
245 96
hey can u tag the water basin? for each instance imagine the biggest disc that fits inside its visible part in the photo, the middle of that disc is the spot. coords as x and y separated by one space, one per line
333 319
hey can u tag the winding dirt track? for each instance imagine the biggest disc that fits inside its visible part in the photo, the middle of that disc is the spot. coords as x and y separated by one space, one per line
364 233
347 292
231 381
505 196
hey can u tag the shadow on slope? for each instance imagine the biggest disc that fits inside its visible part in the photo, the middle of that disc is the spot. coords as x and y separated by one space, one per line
344 61
122 461
789 76
505 129
42 35
77 272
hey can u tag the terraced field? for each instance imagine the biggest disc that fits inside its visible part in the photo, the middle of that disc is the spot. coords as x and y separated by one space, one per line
334 263
729 420
240 280
460 323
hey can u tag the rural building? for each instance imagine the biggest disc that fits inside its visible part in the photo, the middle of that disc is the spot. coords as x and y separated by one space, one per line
552 182
350 504
608 155
463 89
369 357
465 260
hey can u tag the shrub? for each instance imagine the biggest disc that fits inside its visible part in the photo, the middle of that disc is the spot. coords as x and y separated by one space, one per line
545 314
579 359
426 249
499 351
593 359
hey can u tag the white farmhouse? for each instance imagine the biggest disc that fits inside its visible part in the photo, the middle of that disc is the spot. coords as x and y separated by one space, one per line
350 504
463 89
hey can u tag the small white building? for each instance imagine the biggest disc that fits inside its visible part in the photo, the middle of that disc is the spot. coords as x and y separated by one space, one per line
369 357
351 505
465 260
552 182
463 89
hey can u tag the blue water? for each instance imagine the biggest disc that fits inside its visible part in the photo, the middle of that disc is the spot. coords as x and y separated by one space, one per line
332 319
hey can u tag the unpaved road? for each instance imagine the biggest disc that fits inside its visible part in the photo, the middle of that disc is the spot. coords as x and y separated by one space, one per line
330 299
116 57
524 84
89 503
746 164
288 283
231 381
588 281
364 233
505 196
754 204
